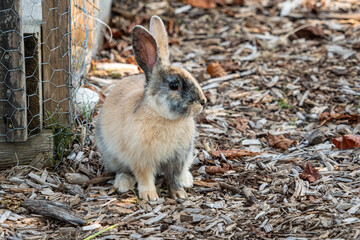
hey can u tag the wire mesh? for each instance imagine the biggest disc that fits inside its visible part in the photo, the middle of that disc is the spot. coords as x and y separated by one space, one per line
45 49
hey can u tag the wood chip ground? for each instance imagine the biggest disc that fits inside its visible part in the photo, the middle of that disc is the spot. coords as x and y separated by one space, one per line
286 78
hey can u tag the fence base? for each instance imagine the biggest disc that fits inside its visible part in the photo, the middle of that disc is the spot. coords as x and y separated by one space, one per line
12 154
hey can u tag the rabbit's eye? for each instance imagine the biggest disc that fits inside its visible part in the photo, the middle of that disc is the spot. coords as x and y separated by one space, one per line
174 85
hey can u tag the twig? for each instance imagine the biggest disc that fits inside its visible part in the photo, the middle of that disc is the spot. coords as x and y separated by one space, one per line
37 179
130 16
102 231
295 30
221 79
98 180
227 78
244 190
304 97
23 190
229 187
354 16
111 227
249 195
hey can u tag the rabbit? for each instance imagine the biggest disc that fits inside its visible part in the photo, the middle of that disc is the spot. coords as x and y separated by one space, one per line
146 126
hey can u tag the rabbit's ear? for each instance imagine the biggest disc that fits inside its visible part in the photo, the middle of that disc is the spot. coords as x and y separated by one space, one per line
145 49
158 31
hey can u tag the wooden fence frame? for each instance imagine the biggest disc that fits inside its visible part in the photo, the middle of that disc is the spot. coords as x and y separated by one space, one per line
53 86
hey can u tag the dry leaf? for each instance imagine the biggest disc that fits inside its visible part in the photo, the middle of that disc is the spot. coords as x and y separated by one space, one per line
170 26
229 12
314 6
346 142
310 32
207 4
230 66
310 174
215 70
235 2
131 60
108 45
216 169
280 141
232 153
204 4
330 116
201 118
173 41
326 117
93 63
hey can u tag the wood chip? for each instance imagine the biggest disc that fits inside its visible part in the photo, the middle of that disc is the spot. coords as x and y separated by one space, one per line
156 219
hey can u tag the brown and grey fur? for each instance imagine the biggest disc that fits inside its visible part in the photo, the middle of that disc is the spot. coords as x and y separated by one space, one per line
145 128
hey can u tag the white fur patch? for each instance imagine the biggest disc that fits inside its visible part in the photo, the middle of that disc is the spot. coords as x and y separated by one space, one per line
124 182
159 104
186 179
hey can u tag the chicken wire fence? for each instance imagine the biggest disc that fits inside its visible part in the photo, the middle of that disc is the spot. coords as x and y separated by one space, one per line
45 49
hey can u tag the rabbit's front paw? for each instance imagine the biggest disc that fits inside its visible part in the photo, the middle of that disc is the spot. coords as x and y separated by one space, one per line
178 193
186 179
148 195
124 182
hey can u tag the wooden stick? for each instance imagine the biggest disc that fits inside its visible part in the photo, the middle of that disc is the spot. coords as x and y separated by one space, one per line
23 190
244 190
229 187
249 195
130 16
55 210
221 79
99 180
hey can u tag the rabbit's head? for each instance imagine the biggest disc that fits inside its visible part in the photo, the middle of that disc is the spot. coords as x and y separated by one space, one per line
170 91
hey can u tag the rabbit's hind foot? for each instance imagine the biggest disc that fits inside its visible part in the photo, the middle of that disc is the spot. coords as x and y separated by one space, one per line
124 182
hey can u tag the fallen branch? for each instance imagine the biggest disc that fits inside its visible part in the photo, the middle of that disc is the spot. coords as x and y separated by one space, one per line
54 210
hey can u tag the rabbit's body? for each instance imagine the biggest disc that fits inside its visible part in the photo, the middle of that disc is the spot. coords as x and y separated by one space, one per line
147 140
145 129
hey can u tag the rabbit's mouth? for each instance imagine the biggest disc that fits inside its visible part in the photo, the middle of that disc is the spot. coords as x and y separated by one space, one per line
196 109
191 110
186 109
